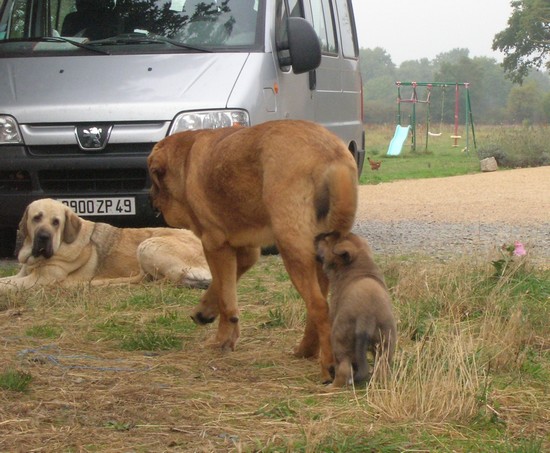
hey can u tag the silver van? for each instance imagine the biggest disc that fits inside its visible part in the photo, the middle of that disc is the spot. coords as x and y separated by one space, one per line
88 86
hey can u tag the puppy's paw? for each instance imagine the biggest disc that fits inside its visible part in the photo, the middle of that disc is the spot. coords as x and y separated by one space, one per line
331 388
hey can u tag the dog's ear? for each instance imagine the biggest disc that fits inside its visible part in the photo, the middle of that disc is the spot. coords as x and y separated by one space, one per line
157 173
156 162
22 230
346 250
73 223
22 233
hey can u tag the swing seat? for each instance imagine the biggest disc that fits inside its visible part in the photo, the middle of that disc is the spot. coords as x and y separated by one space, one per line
434 134
456 136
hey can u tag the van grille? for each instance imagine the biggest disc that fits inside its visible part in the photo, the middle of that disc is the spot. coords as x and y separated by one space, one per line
102 180
15 181
74 150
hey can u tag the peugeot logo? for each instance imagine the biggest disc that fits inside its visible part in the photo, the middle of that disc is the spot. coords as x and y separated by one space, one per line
93 138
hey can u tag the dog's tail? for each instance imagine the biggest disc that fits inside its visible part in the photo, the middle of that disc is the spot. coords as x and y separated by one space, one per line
336 202
361 348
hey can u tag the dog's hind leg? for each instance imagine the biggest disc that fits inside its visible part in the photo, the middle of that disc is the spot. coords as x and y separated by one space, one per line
303 268
323 280
310 343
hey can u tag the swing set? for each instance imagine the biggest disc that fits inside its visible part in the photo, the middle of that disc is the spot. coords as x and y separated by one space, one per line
414 101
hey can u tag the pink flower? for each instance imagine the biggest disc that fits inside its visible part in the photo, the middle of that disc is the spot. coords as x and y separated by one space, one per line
519 249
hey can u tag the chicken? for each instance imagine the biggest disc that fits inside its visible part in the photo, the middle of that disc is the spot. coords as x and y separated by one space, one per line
374 165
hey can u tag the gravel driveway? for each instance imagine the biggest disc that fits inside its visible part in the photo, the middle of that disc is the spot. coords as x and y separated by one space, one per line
469 214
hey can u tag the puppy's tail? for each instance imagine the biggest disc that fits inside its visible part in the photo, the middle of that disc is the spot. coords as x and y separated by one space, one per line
336 201
361 347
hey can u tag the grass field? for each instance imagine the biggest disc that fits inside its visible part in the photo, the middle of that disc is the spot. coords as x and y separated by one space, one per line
512 146
125 369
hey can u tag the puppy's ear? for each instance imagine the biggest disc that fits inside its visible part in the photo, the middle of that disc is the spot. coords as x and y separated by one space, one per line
346 251
73 223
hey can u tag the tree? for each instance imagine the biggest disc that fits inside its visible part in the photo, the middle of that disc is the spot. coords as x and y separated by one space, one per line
525 104
376 63
526 40
415 71
378 72
451 57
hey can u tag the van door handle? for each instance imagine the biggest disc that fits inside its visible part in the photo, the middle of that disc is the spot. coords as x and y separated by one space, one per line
312 80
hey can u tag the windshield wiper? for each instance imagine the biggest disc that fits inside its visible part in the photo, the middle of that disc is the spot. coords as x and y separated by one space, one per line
60 40
137 38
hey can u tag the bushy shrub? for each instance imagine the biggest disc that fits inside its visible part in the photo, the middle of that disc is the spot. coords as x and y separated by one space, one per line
495 151
518 147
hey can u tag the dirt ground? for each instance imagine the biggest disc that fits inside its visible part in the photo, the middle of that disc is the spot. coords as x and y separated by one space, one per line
519 196
455 214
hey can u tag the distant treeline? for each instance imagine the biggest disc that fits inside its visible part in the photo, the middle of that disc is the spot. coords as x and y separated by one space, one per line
494 98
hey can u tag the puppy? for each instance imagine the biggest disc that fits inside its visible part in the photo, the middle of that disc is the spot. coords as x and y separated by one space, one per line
360 308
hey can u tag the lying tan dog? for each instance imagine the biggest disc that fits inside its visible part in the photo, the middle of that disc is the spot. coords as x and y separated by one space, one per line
61 248
360 308
281 182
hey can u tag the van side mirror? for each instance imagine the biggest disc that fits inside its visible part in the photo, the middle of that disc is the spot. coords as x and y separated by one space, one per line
303 46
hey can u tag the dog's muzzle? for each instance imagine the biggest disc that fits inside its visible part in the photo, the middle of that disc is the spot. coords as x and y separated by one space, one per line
42 244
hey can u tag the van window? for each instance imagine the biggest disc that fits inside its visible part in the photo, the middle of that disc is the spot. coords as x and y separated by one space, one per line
323 23
350 47
131 26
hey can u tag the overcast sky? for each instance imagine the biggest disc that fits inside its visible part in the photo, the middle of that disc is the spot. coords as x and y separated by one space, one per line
411 30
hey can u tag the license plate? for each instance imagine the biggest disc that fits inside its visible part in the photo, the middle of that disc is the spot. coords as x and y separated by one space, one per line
101 206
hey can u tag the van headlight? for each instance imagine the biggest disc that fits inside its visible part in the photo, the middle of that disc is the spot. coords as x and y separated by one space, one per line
9 131
209 119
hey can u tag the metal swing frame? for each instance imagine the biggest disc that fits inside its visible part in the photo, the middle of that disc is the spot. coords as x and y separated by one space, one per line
414 100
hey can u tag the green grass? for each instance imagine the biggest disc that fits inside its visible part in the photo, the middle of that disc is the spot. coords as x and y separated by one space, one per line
511 146
8 270
15 380
44 331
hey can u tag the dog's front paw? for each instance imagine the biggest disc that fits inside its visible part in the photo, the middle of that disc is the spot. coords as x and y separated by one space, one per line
225 345
201 319
227 336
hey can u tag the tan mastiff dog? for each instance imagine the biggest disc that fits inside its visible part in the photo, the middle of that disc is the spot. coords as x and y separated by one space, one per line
360 308
61 248
281 182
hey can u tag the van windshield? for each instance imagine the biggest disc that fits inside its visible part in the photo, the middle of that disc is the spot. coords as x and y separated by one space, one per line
31 27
